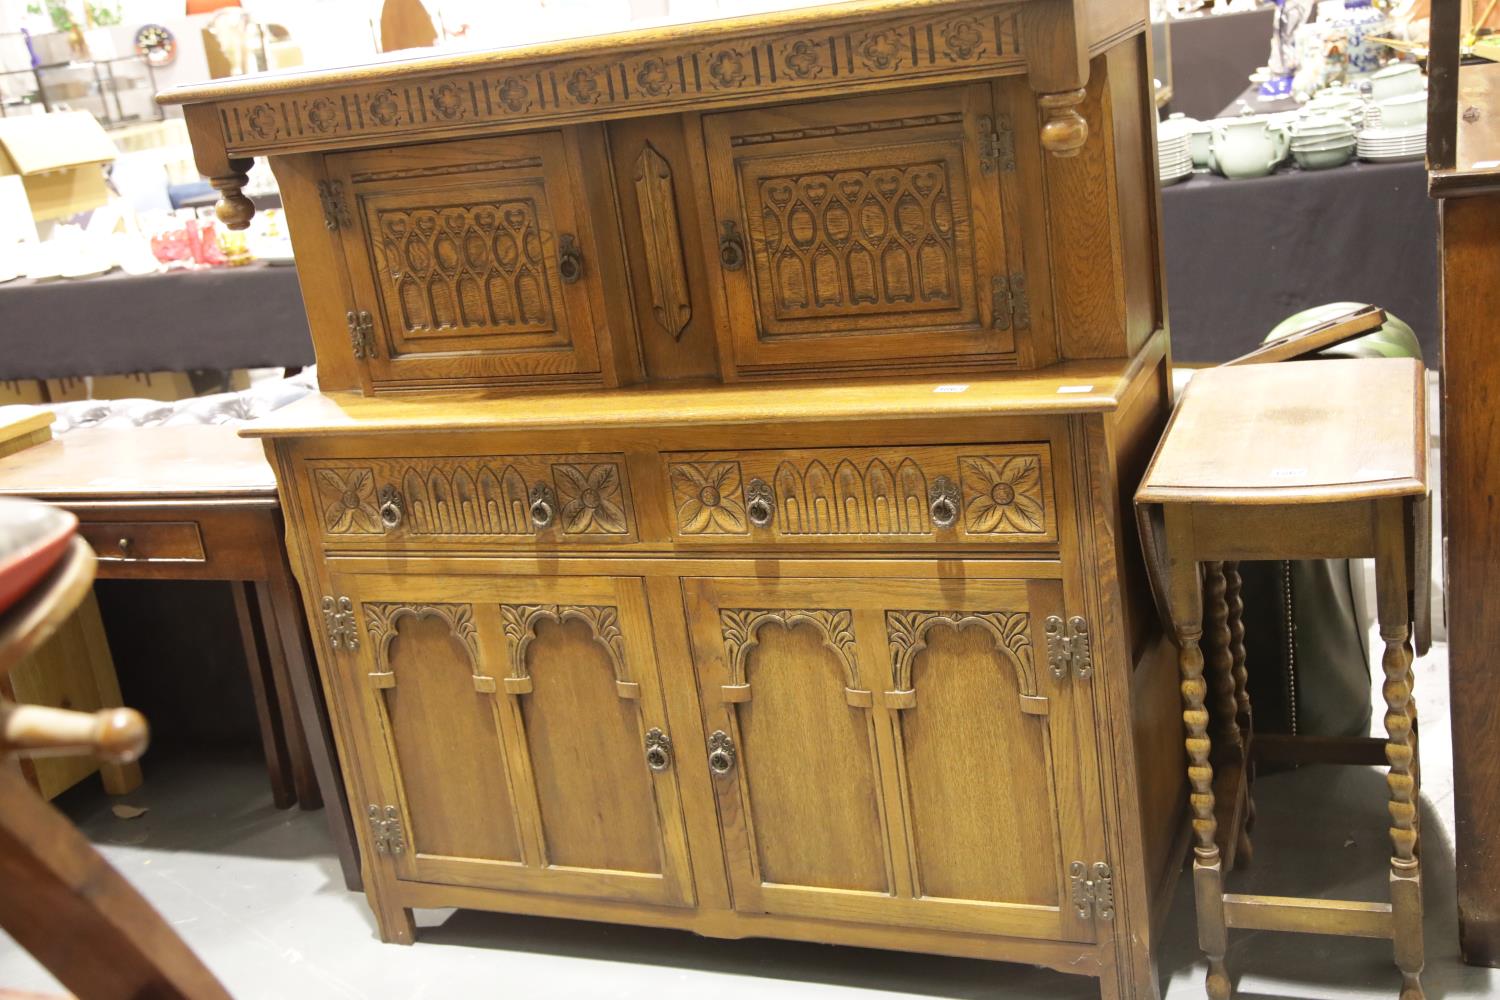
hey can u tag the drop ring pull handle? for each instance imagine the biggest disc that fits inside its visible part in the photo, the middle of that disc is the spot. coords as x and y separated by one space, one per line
569 258
760 503
731 247
942 502
721 753
392 508
658 750
543 505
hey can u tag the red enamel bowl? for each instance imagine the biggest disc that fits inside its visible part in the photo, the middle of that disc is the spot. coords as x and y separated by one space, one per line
33 537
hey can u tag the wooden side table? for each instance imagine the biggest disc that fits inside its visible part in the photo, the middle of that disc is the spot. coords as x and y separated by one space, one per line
198 502
1306 460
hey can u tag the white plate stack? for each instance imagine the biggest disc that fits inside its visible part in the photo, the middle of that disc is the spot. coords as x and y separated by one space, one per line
1388 144
1174 151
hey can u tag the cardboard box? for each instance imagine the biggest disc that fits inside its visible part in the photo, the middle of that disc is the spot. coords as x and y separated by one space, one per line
60 159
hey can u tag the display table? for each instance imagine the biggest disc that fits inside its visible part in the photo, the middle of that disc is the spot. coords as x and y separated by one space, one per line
1243 255
242 317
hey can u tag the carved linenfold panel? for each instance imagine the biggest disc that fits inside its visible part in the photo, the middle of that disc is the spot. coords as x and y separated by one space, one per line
741 629
708 497
479 496
520 621
346 497
383 622
857 242
917 46
875 500
906 632
666 271
1003 494
464 267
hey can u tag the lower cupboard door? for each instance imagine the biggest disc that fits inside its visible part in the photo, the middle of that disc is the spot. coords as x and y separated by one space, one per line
517 725
897 751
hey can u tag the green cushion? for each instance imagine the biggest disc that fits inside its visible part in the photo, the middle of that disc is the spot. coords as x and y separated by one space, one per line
1393 340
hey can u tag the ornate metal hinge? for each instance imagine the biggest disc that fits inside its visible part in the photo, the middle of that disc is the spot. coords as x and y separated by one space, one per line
1093 890
385 830
335 211
361 333
1009 302
997 144
1068 647
338 619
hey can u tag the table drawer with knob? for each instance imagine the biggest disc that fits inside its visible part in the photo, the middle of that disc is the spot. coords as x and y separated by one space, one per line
144 541
525 499
944 494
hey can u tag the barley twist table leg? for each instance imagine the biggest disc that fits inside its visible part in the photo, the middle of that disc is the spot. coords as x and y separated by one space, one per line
1219 662
1208 886
1244 850
1400 746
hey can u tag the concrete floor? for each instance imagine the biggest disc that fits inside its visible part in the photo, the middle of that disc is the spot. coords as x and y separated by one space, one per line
258 894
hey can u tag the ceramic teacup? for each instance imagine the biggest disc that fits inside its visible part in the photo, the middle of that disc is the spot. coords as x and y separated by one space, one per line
1396 80
1408 109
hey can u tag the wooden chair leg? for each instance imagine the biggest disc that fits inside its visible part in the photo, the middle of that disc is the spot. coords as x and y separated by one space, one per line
302 674
1185 595
79 917
272 735
304 777
1400 748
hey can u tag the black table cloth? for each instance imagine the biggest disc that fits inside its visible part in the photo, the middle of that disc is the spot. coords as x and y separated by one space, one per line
1213 55
241 317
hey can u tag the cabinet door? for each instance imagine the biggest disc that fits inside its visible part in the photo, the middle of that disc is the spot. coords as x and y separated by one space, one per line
873 230
900 751
469 262
518 726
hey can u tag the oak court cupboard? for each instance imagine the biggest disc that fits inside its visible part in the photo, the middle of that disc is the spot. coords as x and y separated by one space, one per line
717 510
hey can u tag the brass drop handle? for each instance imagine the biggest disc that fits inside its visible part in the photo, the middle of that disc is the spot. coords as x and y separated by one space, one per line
392 508
760 503
543 505
942 502
658 750
721 753
731 247
569 258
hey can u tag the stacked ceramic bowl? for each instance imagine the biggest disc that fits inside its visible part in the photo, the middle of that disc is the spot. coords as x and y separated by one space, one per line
1396 127
1322 141
1174 152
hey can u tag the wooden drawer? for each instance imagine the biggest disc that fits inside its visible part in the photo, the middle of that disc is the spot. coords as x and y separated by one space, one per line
869 232
469 263
524 499
949 494
144 541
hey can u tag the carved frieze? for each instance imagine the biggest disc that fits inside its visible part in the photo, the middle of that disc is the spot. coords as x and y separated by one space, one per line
661 75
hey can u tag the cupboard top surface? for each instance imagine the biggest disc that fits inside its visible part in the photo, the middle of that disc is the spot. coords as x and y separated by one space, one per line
1069 387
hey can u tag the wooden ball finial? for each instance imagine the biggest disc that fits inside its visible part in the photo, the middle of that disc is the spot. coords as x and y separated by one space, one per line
234 209
1064 130
120 734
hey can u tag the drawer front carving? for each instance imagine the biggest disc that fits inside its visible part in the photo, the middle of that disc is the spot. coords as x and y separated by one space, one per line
958 493
468 264
874 230
524 498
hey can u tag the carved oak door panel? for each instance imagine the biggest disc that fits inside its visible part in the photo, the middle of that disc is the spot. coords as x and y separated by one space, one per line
524 738
468 261
866 230
897 751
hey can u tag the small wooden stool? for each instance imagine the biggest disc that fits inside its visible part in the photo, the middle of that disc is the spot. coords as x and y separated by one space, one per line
1305 460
